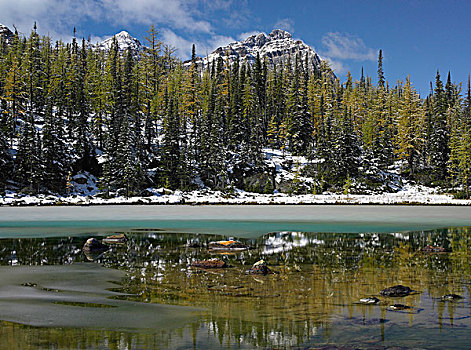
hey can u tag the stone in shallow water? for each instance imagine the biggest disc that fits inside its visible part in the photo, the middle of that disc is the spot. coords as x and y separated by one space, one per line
369 301
259 268
433 249
115 239
228 245
398 307
451 297
396 291
94 245
209 264
29 284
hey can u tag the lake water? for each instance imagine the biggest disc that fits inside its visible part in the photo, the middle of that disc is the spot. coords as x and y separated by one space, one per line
144 295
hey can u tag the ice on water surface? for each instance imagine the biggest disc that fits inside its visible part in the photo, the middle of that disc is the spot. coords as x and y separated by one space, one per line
78 295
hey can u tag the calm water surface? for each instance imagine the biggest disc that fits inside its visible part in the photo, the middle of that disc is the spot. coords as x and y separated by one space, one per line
144 295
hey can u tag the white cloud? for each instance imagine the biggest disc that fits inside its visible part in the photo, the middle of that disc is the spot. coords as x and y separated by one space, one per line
346 46
215 5
55 17
243 36
180 22
219 40
338 67
203 46
285 24
58 17
182 45
98 39
178 14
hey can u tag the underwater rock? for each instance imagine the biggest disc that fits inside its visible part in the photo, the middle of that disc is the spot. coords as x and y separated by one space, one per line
398 307
228 245
451 297
396 291
115 239
259 268
433 249
94 245
209 264
369 301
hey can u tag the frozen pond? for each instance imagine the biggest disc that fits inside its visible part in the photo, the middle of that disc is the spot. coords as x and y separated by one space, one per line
243 220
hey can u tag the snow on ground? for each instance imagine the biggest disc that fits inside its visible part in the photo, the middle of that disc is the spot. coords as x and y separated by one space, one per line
288 168
409 195
276 158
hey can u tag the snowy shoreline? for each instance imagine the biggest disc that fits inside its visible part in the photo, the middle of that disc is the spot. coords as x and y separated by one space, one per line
412 196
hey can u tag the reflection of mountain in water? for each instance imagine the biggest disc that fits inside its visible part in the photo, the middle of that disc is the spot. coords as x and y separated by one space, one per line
311 299
285 241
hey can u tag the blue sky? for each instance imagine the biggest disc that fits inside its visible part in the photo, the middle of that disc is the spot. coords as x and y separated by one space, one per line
417 37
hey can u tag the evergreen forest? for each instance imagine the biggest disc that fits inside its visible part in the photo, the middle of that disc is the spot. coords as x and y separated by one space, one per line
140 120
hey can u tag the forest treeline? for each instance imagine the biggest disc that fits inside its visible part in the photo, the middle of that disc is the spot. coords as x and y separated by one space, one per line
145 119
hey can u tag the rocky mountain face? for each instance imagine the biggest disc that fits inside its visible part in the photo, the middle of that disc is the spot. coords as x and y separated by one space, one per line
277 48
125 41
5 33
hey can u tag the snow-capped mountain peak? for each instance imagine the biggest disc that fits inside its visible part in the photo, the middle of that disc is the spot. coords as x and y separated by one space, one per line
5 32
280 34
124 40
277 48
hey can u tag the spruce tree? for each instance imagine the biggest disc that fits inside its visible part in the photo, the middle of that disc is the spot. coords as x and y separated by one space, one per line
439 151
380 70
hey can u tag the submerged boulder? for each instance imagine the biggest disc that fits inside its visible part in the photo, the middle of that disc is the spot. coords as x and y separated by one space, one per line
451 297
209 264
116 239
433 249
228 245
94 245
396 291
29 284
259 268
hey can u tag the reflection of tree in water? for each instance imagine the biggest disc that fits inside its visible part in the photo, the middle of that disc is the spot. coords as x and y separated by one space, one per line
320 276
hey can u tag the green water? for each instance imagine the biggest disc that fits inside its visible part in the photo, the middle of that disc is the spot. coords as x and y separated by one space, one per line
144 295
